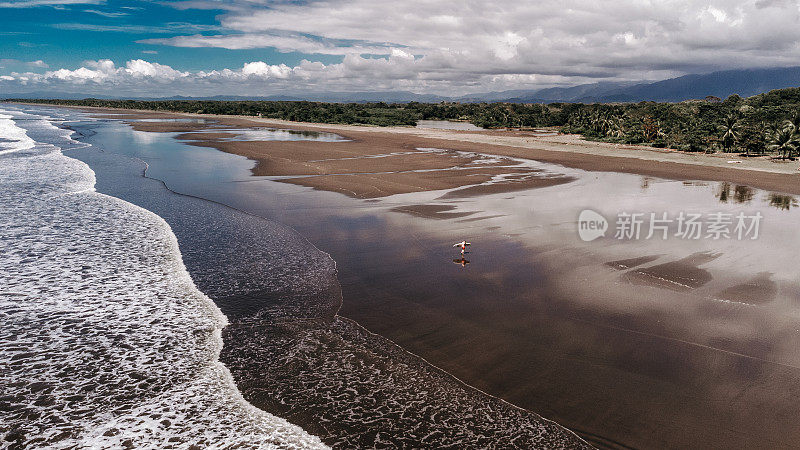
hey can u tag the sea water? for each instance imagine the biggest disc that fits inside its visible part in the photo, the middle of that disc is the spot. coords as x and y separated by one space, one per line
106 341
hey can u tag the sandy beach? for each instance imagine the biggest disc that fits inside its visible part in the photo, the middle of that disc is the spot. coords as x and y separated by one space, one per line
354 170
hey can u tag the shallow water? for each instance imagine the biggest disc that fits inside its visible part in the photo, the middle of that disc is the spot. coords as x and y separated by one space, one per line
272 134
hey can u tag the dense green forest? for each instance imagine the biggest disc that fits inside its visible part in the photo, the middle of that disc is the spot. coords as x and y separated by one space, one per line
765 123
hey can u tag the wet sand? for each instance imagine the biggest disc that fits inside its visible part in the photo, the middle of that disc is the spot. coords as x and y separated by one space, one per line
756 291
683 275
432 211
369 166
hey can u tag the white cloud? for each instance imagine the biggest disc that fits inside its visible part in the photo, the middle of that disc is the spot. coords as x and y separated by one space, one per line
105 72
8 62
262 69
282 42
81 75
475 42
54 3
139 77
106 13
169 27
461 47
139 68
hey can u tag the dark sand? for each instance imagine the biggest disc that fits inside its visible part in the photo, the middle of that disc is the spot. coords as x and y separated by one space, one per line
432 211
625 264
367 166
757 291
683 275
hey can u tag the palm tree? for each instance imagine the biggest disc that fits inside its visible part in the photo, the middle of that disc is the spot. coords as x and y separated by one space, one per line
578 119
754 136
730 128
793 121
651 128
771 128
783 141
599 122
616 127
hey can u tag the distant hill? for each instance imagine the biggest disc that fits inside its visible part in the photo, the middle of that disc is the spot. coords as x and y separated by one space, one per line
744 82
569 94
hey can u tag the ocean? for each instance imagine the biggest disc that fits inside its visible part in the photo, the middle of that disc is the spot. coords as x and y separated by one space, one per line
106 341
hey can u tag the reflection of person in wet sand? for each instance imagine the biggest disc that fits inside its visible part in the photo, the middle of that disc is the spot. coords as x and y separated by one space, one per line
463 261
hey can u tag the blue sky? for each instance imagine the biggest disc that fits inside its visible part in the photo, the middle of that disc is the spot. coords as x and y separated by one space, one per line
262 47
67 35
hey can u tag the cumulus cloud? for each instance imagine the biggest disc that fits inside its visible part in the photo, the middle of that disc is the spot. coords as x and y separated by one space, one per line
139 68
400 71
262 69
105 72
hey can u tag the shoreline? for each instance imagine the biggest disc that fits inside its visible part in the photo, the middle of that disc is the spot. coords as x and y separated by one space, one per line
566 150
136 390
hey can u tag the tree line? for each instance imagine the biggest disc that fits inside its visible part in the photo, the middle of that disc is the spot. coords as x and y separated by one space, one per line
768 123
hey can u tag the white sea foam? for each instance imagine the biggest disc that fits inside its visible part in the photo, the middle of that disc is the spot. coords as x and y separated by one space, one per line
12 137
106 342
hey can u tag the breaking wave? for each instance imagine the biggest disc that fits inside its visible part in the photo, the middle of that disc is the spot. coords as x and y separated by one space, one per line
106 340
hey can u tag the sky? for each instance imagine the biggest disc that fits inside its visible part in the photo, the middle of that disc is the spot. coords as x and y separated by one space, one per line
264 47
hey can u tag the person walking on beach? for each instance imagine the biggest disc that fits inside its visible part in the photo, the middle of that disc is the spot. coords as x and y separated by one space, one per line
463 245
